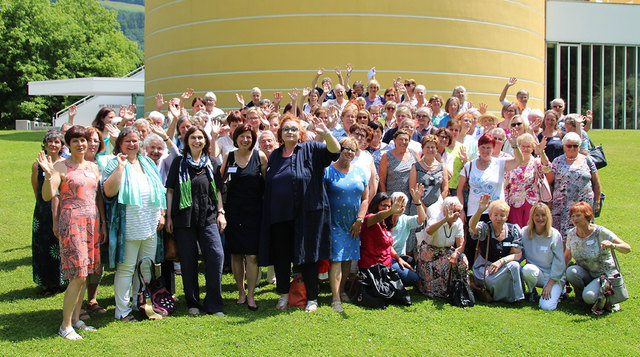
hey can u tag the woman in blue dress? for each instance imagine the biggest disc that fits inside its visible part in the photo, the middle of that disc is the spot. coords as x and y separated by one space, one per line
347 190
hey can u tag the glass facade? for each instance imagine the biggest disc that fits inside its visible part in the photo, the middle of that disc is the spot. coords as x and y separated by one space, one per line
603 78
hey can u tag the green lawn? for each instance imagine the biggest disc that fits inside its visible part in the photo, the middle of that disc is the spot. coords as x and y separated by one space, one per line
28 323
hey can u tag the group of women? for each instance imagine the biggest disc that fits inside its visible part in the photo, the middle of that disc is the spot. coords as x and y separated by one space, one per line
465 191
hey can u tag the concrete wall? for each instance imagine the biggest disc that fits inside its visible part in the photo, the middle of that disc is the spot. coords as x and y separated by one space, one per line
231 47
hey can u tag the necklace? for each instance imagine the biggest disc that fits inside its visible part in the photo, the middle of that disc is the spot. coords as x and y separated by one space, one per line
444 229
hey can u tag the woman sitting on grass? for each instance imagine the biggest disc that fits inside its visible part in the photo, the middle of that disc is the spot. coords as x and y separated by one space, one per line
544 252
499 270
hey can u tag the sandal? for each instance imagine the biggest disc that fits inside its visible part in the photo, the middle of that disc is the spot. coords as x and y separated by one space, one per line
96 309
69 334
344 297
80 325
337 306
312 305
84 315
282 303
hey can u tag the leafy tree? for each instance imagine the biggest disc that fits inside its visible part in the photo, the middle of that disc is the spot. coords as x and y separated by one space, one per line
40 40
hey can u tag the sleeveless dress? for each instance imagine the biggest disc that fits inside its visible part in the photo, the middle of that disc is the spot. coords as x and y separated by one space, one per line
398 181
432 181
44 244
244 205
345 194
79 224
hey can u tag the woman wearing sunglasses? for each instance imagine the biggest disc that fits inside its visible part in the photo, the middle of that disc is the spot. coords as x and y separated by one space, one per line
575 178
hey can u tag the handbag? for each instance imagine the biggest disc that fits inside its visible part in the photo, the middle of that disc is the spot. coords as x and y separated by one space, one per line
597 212
544 189
231 160
459 291
170 247
153 297
480 291
297 292
618 287
597 155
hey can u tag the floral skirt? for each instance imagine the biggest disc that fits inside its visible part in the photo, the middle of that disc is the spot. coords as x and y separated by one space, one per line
433 270
79 241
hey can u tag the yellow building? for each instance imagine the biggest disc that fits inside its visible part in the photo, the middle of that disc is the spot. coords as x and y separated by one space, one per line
230 47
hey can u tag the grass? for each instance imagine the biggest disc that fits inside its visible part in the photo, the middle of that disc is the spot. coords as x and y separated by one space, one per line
28 323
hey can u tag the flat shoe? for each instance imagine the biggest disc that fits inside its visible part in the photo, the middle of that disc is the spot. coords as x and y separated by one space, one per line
80 325
344 297
252 308
312 306
84 315
282 303
69 334
128 318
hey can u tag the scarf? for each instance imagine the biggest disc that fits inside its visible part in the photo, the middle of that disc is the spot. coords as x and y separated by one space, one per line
185 181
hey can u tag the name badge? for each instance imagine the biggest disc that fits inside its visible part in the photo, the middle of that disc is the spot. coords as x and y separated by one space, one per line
508 244
590 242
544 249
232 169
90 174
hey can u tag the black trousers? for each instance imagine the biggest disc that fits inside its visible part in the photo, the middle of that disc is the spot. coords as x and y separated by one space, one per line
282 241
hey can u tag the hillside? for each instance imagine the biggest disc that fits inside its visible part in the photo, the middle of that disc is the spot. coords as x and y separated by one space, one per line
131 18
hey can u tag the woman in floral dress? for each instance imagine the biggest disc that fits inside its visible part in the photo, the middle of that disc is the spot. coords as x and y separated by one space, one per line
575 178
78 223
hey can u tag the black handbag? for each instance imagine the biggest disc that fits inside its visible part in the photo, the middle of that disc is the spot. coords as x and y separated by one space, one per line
597 155
459 291
156 301
380 285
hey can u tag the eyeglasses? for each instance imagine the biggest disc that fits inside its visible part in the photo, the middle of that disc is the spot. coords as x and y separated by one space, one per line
358 135
510 111
290 129
421 116
390 95
513 125
348 149
572 146
558 106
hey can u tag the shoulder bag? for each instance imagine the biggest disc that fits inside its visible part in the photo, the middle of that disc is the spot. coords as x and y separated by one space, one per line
618 287
597 155
153 297
480 291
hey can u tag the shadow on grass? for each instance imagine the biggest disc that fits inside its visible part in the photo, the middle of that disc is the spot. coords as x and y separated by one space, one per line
17 248
13 264
26 136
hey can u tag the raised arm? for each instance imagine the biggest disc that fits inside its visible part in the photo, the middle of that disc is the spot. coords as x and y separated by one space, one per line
73 111
314 82
516 160
510 83
416 192
321 128
396 207
482 206
112 183
51 176
339 74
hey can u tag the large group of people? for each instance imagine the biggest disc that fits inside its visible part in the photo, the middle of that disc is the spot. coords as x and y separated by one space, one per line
341 175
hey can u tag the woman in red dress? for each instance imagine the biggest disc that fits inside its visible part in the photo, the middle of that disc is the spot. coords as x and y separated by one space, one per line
78 226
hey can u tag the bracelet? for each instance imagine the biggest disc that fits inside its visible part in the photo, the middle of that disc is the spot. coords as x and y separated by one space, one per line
418 204
360 219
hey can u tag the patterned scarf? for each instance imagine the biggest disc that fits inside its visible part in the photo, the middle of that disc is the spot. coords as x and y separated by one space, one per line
185 181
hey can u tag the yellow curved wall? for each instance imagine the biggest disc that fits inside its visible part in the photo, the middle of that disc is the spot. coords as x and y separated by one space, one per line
230 47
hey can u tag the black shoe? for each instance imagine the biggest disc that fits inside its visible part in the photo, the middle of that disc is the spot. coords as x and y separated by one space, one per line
533 297
252 308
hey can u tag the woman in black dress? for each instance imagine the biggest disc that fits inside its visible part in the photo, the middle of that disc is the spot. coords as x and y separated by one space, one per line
244 169
45 245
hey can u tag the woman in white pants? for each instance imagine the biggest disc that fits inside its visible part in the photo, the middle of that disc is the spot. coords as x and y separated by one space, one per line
133 183
544 252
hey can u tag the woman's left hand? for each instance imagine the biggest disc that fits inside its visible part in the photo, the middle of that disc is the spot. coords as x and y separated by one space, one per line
606 244
404 264
222 222
453 258
417 192
541 146
546 292
495 266
103 233
160 223
355 229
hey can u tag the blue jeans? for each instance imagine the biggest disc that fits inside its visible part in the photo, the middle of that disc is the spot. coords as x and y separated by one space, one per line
213 255
408 277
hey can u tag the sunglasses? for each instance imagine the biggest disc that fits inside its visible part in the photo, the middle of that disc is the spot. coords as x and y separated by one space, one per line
291 129
407 84
558 106
390 108
363 117
572 146
390 95
513 125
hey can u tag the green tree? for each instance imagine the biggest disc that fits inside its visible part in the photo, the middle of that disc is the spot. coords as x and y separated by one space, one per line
40 40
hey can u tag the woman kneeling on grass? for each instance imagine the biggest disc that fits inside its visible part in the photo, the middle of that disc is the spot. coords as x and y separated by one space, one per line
544 252
499 270
78 227
591 246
